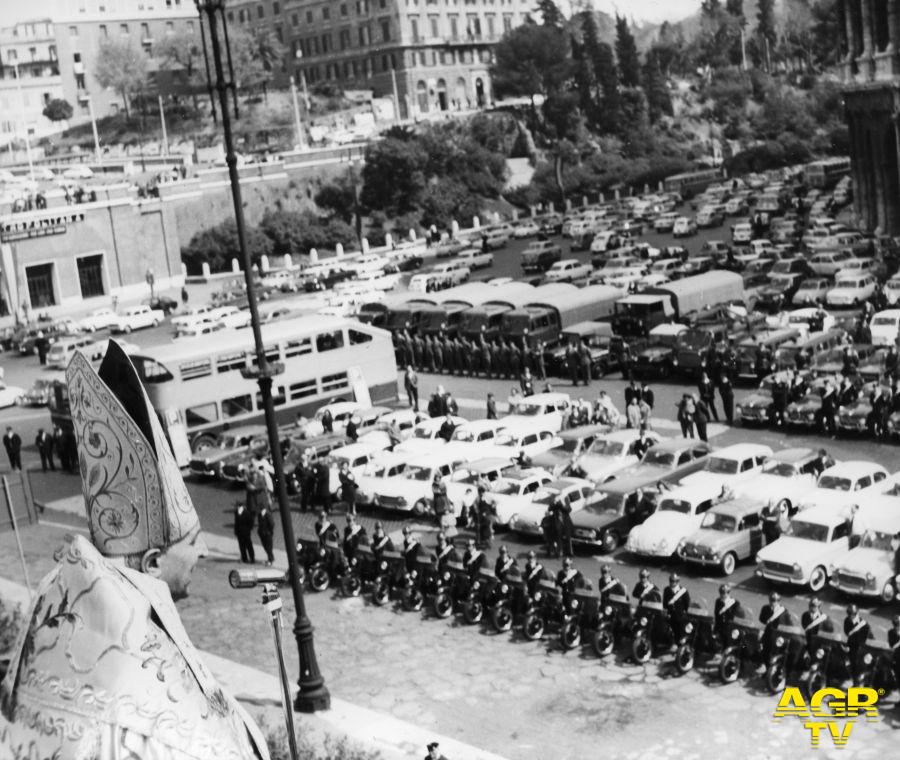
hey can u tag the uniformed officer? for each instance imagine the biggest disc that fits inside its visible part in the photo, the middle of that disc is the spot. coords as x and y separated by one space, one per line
354 536
569 578
418 347
505 565
858 632
381 542
642 444
676 603
445 552
515 359
412 549
644 587
572 363
505 359
726 391
893 637
537 360
402 349
584 358
486 356
439 342
491 407
812 621
474 559
534 573
609 585
771 615
526 383
428 353
724 612
326 531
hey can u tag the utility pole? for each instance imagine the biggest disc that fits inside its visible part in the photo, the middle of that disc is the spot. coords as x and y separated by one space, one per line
94 128
301 138
312 694
162 119
24 123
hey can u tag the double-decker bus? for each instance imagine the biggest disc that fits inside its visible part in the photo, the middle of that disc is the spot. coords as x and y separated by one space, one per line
197 387
688 184
825 174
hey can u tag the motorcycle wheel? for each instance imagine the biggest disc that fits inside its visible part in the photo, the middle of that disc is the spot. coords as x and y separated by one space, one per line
641 648
570 635
604 642
815 681
684 658
351 585
473 612
502 618
730 666
413 601
319 579
533 627
381 593
442 605
776 678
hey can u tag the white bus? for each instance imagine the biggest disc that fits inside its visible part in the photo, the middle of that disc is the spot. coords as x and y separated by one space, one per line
197 388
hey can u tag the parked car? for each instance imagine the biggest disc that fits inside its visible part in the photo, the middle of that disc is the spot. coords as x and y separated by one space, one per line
40 391
851 290
867 570
785 479
684 227
540 256
845 484
576 492
137 318
665 222
568 270
575 442
475 258
99 319
514 486
209 454
608 454
728 466
729 533
709 217
606 522
668 461
411 490
812 291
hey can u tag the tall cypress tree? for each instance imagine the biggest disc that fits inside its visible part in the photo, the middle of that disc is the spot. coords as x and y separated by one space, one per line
603 63
627 54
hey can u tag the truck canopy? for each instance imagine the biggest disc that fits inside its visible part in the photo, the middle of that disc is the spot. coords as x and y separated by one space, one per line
469 293
702 290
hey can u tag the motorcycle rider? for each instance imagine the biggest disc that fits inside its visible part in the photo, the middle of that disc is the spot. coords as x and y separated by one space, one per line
643 587
771 615
676 603
326 531
724 612
445 552
858 632
505 565
381 542
412 549
569 579
474 559
609 585
534 573
354 536
812 621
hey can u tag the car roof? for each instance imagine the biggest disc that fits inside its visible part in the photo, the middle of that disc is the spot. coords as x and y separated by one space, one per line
479 425
738 507
562 483
793 456
824 515
583 430
668 328
487 464
626 435
517 473
436 458
354 449
544 398
883 514
852 468
693 492
738 450
242 430
678 444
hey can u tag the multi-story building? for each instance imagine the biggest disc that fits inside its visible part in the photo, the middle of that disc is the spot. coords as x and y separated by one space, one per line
871 74
80 26
29 79
428 54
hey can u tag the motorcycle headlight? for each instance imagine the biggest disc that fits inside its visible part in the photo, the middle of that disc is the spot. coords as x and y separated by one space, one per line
446 576
867 658
810 416
476 585
414 574
353 562
735 633
820 653
607 610
675 362
689 628
383 565
538 596
738 409
504 589
573 604
643 621
779 642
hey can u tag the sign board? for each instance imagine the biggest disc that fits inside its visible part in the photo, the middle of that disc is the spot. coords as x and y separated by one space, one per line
12 232
358 384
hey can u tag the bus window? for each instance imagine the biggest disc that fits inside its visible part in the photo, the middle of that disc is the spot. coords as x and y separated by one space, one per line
297 347
272 355
302 390
236 406
151 371
230 362
334 382
203 414
357 337
330 341
278 397
195 369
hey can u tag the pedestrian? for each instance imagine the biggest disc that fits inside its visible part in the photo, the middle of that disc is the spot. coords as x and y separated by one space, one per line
265 529
584 356
327 421
243 530
548 529
686 410
631 392
487 511
184 296
647 394
701 417
13 445
708 395
438 351
633 414
572 364
526 382
726 392
323 485
450 404
487 354
447 428
428 354
433 752
646 413
411 384
348 487
59 447
418 348
491 407
829 408
44 444
42 346
564 529
352 429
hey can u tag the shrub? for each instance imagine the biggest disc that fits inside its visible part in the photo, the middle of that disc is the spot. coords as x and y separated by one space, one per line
11 622
333 748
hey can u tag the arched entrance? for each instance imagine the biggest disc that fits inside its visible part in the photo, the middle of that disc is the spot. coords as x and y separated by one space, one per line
442 94
422 96
479 92
460 95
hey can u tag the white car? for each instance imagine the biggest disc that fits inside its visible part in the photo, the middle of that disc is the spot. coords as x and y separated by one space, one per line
232 317
341 412
610 453
892 290
543 410
851 290
191 332
815 539
368 263
462 486
454 272
475 258
479 436
195 315
524 439
729 465
402 421
885 327
355 455
786 478
383 464
604 241
426 435
136 318
411 490
812 291
665 222
868 568
99 319
568 270
78 172
9 395
526 229
678 515
845 484
515 486
684 227
529 513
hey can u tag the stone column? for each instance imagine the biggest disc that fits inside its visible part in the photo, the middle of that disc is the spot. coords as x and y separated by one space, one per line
852 52
876 131
867 31
893 47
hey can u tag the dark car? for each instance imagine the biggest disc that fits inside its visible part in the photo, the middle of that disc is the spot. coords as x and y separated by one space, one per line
407 263
807 412
600 342
873 367
668 461
607 522
657 358
756 408
327 281
778 294
854 418
694 344
165 304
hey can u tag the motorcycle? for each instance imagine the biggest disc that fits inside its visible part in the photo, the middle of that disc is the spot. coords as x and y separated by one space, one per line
582 618
503 602
740 646
649 627
615 619
787 651
696 637
388 577
319 564
451 588
878 668
415 582
479 591
547 607
829 662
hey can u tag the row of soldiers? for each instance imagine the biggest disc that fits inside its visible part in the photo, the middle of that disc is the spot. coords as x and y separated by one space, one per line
458 355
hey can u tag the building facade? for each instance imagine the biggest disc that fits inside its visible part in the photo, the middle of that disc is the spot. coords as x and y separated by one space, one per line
871 73
29 80
429 55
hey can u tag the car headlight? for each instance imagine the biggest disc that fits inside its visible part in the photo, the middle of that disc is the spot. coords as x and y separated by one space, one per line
797 569
738 408
831 569
476 585
735 633
681 546
675 362
714 555
514 519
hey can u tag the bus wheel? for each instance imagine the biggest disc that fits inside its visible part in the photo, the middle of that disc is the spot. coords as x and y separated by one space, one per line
202 443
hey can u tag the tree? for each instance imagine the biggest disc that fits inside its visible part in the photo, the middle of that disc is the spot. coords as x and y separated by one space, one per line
217 245
531 59
250 70
603 63
182 54
627 54
393 176
122 67
58 110
295 232
659 102
765 26
550 13
338 197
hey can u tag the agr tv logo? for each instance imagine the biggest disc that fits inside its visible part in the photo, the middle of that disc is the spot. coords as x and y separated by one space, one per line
830 710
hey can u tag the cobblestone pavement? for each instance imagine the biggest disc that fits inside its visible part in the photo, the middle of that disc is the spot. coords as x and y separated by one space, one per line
522 700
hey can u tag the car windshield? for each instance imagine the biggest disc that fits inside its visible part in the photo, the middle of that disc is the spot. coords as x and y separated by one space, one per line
722 466
611 502
604 448
693 339
466 436
675 505
780 469
419 473
658 458
815 285
715 521
546 496
810 531
424 433
884 321
465 476
509 488
529 410
834 483
569 445
877 540
337 461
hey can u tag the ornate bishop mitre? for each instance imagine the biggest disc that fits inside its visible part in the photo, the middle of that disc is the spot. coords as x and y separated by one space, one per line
133 490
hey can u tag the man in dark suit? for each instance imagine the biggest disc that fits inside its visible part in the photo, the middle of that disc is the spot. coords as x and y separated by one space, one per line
631 392
243 530
770 616
647 394
676 603
44 445
13 445
59 445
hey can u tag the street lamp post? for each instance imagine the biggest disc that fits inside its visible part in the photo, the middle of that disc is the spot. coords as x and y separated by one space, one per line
312 694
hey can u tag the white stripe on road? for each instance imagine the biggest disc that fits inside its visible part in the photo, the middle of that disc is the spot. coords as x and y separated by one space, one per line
24 417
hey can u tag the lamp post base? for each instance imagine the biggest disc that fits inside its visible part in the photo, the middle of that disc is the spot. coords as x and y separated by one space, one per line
313 701
313 694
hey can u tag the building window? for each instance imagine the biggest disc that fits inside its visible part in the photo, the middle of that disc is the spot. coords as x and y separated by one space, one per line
12 55
326 43
204 414
343 10
454 26
90 275
414 27
279 33
326 13
237 406
73 31
386 30
490 24
309 17
190 27
123 28
40 285
104 32
276 9
170 27
433 26
295 19
344 38
507 22
260 11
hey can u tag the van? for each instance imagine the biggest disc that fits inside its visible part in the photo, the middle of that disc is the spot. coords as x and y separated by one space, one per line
885 327
748 348
540 256
453 272
495 239
810 345
64 349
